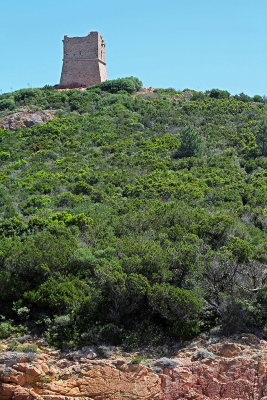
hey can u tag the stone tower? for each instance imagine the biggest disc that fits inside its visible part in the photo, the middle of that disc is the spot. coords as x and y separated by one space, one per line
84 61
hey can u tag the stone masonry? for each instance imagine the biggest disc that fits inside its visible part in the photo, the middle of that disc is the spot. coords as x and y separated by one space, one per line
84 61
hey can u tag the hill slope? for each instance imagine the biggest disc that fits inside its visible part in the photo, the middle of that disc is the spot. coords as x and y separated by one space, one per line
133 217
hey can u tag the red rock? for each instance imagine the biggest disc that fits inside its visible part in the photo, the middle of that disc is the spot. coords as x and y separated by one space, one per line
16 392
226 349
230 378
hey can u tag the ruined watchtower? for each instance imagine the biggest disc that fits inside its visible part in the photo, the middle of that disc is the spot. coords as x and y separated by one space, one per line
84 61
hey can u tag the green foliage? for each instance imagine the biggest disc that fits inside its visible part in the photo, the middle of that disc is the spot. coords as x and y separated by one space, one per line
261 301
23 313
238 314
219 94
7 104
107 236
261 138
45 379
7 329
59 293
191 144
179 307
47 251
12 226
13 346
257 98
130 85
82 188
172 302
138 359
81 220
29 348
243 97
26 94
241 249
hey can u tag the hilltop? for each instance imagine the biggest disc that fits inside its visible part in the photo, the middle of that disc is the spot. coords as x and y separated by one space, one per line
133 217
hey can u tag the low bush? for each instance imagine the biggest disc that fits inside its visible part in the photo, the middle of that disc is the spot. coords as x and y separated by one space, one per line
7 104
7 329
219 94
191 144
29 348
45 379
138 359
130 85
202 353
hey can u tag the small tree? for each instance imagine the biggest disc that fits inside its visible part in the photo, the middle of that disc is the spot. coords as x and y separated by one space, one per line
130 85
7 104
191 144
258 99
219 94
261 138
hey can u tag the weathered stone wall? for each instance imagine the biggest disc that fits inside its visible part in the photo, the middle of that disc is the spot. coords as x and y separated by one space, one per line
84 61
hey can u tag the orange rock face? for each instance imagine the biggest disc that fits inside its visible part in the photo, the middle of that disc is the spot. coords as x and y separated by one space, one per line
237 371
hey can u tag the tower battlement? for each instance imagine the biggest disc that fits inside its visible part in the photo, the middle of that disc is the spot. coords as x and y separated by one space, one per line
84 61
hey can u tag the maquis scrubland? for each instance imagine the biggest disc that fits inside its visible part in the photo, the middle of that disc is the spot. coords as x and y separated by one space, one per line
134 217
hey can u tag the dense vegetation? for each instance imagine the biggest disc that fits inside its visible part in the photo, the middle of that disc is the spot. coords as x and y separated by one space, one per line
133 217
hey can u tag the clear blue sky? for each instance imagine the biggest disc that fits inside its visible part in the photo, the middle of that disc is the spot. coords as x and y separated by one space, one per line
196 44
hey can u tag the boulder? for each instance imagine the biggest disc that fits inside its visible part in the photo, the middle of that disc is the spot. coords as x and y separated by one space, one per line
24 118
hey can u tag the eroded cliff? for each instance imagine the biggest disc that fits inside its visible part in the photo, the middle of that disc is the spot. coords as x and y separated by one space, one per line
233 370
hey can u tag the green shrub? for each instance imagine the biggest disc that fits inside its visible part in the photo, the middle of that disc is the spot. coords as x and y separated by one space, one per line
82 188
4 155
258 99
261 138
196 96
13 346
59 293
237 315
219 94
178 306
7 330
29 348
45 379
105 351
243 97
202 353
7 104
165 362
12 226
23 313
191 144
63 320
81 220
24 95
241 249
138 359
130 85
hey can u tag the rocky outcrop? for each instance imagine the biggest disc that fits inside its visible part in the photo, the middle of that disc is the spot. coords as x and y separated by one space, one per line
27 119
231 371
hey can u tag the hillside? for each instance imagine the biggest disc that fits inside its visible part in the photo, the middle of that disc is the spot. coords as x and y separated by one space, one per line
133 217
